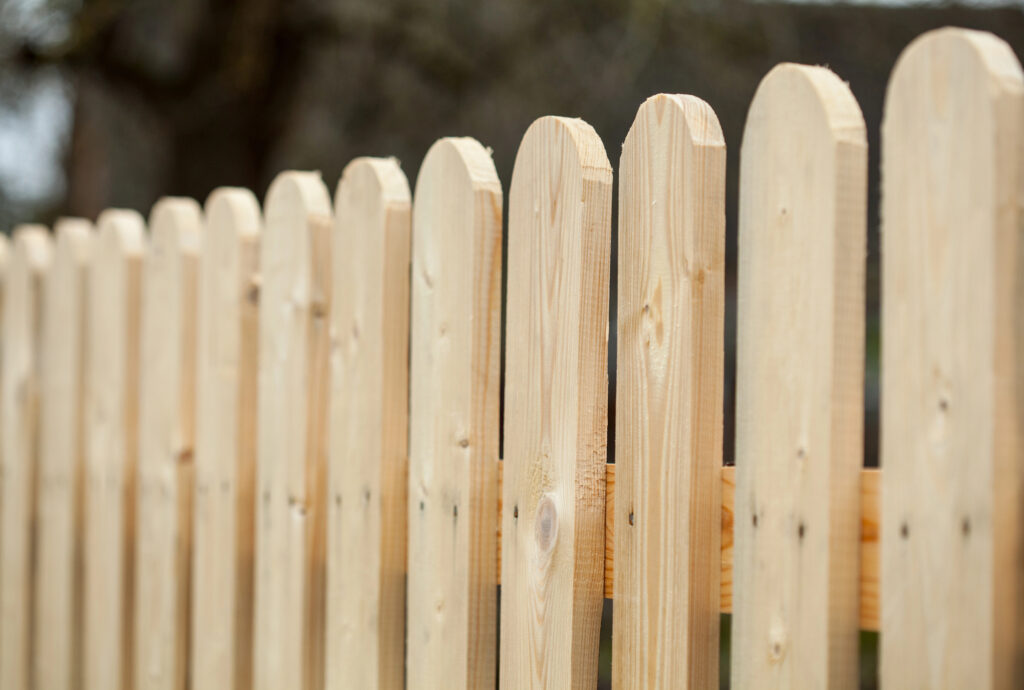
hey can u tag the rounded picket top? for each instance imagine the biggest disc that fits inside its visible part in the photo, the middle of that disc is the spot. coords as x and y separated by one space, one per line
808 100
232 213
32 247
684 114
371 182
119 233
73 239
175 224
463 158
552 139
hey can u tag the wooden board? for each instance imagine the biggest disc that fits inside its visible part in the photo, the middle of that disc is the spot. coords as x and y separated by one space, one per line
368 428
166 433
454 366
671 321
19 403
953 603
225 446
555 407
799 392
58 569
111 421
290 480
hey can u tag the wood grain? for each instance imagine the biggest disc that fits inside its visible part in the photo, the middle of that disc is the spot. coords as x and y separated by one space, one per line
166 437
58 569
555 407
870 519
31 255
456 341
225 446
288 643
671 323
799 374
111 422
952 519
368 428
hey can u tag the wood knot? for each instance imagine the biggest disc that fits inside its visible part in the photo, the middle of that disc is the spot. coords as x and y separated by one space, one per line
546 525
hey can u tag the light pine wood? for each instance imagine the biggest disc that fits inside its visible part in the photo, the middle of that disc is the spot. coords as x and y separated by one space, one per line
556 399
368 428
799 393
287 643
225 446
166 435
111 424
671 321
953 139
455 367
58 568
870 519
31 255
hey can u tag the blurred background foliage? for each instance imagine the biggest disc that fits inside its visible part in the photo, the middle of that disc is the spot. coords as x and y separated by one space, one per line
117 102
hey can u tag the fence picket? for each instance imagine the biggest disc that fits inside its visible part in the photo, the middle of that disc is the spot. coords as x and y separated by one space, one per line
368 421
952 599
225 452
111 417
799 373
166 435
289 465
555 407
671 314
455 367
19 400
58 570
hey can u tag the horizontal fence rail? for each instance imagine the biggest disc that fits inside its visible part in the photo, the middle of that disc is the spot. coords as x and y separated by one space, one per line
258 447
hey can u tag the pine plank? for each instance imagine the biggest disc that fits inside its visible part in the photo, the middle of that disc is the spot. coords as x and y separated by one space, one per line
31 255
225 445
289 466
58 570
671 321
952 137
799 373
166 437
555 407
455 367
111 422
367 472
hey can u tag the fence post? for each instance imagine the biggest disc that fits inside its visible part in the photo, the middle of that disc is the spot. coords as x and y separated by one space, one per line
671 321
166 424
952 179
111 418
19 401
368 428
799 362
455 368
58 568
225 451
556 400
289 463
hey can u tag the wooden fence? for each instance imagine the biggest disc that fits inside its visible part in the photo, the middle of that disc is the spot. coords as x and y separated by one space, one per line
260 449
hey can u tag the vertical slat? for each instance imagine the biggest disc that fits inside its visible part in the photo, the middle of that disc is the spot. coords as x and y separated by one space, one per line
555 408
225 454
453 422
166 424
799 379
111 418
369 403
669 397
19 402
56 648
951 376
288 454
